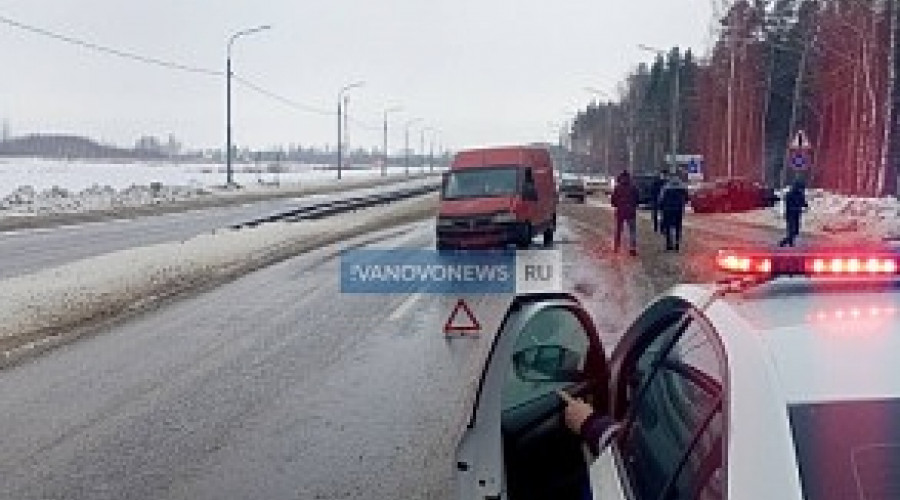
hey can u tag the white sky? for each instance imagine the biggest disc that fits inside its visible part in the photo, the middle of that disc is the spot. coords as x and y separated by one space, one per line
481 71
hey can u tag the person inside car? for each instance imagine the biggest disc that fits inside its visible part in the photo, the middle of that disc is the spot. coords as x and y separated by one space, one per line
596 430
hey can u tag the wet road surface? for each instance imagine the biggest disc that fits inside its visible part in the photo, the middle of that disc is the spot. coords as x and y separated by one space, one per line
278 386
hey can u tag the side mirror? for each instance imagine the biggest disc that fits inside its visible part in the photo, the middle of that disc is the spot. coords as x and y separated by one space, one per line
547 363
529 193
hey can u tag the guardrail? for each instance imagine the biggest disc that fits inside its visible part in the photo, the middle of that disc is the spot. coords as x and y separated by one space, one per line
329 208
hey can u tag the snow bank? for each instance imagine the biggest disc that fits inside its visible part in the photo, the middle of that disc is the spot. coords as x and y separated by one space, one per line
45 303
28 202
838 216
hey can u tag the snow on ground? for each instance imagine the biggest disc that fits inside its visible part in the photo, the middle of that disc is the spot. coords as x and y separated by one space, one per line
35 305
32 187
839 216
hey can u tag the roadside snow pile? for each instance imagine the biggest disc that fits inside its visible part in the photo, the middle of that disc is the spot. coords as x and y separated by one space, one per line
839 216
26 200
40 305
867 218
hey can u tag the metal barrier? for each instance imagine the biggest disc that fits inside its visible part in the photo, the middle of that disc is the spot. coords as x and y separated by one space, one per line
326 209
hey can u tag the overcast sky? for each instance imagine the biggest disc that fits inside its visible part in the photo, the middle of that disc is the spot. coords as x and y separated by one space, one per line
481 71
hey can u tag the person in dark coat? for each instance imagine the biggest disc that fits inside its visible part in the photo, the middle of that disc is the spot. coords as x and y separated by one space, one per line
794 203
672 200
655 190
625 198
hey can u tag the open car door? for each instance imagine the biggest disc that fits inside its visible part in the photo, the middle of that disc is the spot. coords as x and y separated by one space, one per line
516 445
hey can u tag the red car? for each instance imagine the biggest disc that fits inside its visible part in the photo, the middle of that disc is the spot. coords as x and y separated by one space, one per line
731 195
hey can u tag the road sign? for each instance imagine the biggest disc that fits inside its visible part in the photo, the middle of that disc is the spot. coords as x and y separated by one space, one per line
800 159
469 325
695 167
800 142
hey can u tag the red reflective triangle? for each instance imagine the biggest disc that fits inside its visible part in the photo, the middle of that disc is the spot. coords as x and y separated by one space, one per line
452 327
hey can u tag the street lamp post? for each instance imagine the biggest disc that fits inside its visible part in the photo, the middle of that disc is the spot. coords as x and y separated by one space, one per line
406 143
675 103
435 137
340 112
385 137
422 147
228 147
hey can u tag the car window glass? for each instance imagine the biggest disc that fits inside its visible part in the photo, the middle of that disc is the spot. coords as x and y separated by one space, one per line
677 423
551 327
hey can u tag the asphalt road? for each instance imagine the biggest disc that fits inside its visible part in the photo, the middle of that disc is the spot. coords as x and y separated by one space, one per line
275 386
30 250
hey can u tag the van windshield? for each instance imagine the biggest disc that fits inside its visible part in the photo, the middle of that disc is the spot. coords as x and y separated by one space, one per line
482 182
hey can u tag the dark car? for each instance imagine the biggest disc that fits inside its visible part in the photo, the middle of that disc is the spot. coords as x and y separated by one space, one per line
732 195
644 185
572 186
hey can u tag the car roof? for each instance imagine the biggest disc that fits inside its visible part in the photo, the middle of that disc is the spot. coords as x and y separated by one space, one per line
826 341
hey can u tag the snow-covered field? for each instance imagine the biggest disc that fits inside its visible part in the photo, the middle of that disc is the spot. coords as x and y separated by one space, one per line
31 186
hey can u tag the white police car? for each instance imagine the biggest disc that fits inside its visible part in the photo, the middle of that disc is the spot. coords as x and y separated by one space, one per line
784 385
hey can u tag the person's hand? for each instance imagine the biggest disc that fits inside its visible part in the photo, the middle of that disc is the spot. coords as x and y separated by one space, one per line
576 412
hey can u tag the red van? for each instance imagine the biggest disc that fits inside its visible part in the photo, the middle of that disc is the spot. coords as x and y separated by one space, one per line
496 196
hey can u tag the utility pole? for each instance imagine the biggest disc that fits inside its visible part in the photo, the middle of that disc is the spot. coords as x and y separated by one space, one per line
676 101
795 106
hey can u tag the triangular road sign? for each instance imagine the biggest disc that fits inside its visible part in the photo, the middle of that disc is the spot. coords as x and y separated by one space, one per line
801 141
454 326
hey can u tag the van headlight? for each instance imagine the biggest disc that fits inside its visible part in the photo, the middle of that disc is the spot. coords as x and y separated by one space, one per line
503 218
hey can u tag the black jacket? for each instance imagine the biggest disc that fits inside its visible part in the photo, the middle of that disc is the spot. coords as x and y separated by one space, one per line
674 197
794 202
655 190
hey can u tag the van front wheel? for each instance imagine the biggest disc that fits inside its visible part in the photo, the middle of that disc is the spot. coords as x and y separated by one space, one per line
527 236
548 236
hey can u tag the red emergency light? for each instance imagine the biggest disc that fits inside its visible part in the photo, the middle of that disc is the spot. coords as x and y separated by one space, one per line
822 262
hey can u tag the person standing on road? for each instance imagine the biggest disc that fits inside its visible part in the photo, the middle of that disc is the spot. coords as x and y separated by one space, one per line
625 201
655 191
794 203
672 200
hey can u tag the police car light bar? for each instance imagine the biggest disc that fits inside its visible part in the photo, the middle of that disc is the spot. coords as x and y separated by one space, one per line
820 262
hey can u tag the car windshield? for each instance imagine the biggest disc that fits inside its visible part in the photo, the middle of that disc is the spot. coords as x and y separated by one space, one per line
484 182
840 460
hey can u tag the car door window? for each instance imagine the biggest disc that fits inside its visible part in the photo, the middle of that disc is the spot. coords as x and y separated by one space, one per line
673 443
548 333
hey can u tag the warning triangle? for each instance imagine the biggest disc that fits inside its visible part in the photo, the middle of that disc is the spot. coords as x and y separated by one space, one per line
455 326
